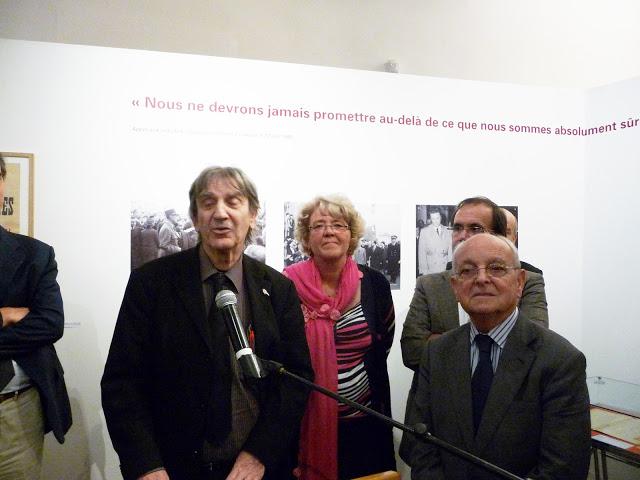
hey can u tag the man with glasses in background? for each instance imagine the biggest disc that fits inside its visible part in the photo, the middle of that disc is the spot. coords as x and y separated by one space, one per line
502 387
434 309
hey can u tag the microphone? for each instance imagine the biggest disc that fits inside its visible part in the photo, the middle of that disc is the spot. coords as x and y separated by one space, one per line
250 364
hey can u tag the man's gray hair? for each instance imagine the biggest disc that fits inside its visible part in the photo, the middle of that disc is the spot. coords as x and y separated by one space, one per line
235 177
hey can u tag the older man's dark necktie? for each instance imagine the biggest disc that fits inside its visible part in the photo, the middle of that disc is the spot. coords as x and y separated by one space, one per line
6 373
219 415
482 377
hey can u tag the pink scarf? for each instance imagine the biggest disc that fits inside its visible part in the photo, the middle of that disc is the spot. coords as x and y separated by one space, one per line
317 459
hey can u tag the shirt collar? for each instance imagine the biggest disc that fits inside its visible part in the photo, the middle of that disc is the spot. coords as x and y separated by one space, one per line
207 269
500 332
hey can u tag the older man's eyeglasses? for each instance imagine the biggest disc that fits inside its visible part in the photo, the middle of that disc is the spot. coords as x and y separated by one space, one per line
494 270
470 229
323 227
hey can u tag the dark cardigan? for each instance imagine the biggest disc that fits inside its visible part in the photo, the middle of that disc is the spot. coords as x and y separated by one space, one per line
377 306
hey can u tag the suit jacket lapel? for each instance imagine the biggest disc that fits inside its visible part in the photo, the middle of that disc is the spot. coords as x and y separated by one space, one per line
258 290
458 361
11 257
515 362
188 285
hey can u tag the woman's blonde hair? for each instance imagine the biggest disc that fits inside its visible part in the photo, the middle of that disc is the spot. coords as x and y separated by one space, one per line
337 206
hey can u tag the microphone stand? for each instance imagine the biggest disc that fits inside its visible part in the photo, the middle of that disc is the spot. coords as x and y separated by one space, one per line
419 430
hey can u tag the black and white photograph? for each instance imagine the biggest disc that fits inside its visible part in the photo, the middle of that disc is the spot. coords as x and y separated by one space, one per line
379 246
157 232
292 252
433 238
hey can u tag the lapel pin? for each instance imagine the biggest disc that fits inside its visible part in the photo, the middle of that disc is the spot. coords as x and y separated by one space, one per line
264 290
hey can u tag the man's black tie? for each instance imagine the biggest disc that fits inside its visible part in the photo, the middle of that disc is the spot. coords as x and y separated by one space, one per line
482 377
6 373
219 416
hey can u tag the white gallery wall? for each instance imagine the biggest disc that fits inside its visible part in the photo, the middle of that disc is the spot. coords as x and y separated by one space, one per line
88 116
611 304
574 43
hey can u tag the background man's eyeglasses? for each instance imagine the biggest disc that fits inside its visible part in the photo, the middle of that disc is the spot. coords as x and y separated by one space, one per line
471 229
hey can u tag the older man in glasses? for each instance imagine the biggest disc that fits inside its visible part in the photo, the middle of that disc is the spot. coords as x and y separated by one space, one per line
501 386
434 309
177 402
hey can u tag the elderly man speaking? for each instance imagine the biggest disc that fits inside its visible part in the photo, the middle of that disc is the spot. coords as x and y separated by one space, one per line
177 404
501 387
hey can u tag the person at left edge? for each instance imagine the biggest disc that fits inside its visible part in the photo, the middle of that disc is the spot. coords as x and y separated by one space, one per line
176 404
33 396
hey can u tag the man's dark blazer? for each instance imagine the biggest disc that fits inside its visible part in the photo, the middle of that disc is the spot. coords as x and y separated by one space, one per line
434 309
157 381
28 273
536 420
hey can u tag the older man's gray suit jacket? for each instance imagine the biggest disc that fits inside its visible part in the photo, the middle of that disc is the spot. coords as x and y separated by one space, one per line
434 309
536 420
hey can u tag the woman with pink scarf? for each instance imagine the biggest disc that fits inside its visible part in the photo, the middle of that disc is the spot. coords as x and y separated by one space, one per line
349 322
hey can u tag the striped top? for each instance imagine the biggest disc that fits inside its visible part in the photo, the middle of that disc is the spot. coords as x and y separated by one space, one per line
353 341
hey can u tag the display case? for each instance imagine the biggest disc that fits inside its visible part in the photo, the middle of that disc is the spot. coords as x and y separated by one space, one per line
615 422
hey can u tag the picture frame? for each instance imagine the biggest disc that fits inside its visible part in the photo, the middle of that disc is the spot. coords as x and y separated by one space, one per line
16 214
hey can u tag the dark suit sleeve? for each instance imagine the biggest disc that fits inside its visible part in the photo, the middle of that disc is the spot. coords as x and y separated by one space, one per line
279 421
425 459
385 313
533 303
417 327
388 322
566 425
125 392
44 324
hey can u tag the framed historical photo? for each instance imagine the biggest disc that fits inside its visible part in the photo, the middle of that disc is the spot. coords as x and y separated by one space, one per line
17 204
